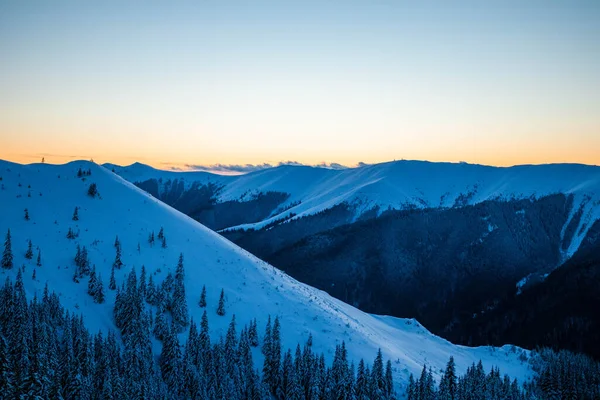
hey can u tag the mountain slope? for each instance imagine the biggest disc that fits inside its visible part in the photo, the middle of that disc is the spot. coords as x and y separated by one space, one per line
252 287
396 185
559 312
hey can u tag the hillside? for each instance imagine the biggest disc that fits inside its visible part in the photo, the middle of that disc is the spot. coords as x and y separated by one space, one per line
559 312
253 288
396 185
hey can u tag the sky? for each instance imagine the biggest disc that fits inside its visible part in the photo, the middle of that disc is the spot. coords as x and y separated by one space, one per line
177 84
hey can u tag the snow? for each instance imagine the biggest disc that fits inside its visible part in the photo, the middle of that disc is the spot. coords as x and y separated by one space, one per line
252 287
399 185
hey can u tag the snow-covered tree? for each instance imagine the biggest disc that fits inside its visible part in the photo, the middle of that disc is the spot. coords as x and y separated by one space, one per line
202 301
112 283
7 255
117 263
29 252
93 190
179 308
221 307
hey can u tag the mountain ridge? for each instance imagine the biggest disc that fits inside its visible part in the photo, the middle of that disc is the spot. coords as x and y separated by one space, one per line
394 185
253 288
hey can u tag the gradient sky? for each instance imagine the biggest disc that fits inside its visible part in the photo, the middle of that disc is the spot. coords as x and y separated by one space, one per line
204 82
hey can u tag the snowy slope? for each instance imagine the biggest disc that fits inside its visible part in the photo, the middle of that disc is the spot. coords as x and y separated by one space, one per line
402 184
253 288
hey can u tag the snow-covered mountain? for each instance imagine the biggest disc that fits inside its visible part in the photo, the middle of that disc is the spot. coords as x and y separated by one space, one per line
395 185
253 288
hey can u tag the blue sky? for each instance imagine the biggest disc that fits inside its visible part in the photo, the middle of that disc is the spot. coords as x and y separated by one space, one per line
493 82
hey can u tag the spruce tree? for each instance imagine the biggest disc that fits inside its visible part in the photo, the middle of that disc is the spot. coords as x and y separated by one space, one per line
204 337
202 302
253 333
39 258
112 283
179 308
389 379
26 215
70 234
76 214
151 291
377 379
85 262
276 355
143 284
221 307
450 378
160 324
93 190
29 253
117 263
99 291
92 283
7 255
170 360
33 275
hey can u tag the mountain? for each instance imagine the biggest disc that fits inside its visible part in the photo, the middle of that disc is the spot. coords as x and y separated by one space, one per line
253 288
372 189
384 237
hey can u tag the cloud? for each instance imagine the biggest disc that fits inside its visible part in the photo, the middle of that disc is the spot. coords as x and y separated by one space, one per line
229 168
247 168
336 166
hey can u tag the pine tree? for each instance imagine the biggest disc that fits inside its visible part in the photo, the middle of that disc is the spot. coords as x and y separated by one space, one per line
112 283
151 291
160 325
221 308
99 291
267 351
76 214
170 360
26 215
85 262
93 190
202 302
377 375
450 379
164 242
204 337
92 283
33 276
79 173
143 285
253 333
7 255
70 234
39 258
362 382
151 238
117 263
161 233
29 253
276 355
179 308
389 379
